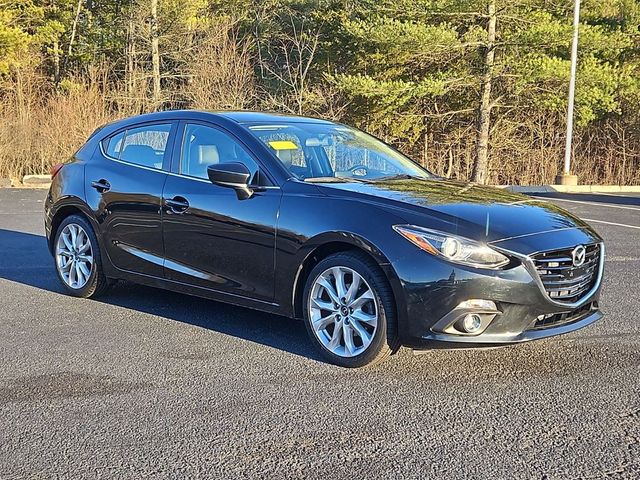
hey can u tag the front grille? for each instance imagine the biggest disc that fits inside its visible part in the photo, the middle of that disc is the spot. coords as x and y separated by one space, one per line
562 281
557 319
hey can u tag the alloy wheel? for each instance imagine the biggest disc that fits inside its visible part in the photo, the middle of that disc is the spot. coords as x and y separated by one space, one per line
343 311
74 256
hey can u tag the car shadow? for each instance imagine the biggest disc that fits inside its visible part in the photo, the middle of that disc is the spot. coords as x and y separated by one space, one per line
26 260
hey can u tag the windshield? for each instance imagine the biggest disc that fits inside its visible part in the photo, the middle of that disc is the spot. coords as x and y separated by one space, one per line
330 152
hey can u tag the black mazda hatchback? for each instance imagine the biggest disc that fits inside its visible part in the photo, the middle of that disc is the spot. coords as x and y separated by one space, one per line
319 221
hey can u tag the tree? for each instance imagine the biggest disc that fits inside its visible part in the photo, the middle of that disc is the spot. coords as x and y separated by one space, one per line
481 164
74 29
14 41
155 51
287 64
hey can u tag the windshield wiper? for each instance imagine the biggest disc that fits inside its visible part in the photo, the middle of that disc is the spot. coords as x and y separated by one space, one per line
401 176
335 180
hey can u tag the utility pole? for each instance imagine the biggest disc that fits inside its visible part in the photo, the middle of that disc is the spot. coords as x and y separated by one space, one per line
566 178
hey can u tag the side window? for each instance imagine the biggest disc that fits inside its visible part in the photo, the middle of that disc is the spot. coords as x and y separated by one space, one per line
203 146
114 145
145 145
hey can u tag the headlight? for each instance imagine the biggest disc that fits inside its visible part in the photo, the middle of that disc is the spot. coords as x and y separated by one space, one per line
453 248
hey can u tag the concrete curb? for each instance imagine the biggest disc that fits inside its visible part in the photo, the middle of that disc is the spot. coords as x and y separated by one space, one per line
36 179
572 188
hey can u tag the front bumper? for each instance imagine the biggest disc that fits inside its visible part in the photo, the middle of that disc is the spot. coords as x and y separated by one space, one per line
431 291
444 340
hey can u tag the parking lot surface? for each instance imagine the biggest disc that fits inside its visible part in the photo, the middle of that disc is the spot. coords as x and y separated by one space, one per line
147 383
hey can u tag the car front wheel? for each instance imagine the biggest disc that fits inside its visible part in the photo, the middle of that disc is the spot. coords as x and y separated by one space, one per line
349 310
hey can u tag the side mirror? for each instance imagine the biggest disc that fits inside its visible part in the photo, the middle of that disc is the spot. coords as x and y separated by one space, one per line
231 175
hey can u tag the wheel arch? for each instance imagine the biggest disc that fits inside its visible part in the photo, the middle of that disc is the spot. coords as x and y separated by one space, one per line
324 245
71 206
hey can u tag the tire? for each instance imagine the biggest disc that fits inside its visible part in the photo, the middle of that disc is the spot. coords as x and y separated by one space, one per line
86 286
375 343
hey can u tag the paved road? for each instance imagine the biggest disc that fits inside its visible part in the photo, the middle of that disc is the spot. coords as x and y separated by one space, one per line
150 383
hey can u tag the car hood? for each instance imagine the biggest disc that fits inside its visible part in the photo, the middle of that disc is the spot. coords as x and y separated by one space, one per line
480 212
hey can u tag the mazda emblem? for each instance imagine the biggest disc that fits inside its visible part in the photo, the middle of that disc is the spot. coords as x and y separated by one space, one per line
578 255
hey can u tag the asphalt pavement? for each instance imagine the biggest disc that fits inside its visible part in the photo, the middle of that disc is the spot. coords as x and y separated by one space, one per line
146 383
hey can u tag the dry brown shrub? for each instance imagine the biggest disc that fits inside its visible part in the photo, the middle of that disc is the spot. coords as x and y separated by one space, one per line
221 75
530 151
40 126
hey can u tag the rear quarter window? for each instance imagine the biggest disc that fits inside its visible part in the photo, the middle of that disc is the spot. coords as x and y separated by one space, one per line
113 145
143 146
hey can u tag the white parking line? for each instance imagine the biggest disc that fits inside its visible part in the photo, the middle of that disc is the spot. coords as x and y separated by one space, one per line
617 194
612 223
595 204
19 213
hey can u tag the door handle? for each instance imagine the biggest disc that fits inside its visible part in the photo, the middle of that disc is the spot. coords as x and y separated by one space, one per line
101 185
177 204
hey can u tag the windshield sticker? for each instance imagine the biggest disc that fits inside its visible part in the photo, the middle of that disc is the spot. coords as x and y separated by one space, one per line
283 145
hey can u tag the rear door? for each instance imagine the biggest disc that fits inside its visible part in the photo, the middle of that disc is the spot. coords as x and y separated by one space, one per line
213 239
123 186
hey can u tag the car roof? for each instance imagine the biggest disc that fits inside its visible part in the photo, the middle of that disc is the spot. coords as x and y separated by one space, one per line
264 117
240 117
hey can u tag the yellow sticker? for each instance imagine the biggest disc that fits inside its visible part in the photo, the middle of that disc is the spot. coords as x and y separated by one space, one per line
283 145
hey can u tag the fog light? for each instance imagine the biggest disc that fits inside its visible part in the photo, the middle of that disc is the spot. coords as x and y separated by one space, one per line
472 323
470 317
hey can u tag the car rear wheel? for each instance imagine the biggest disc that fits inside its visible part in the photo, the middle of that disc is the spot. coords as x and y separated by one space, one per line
77 257
350 310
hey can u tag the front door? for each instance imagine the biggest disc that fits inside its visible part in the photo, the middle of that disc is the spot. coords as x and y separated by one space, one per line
212 239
